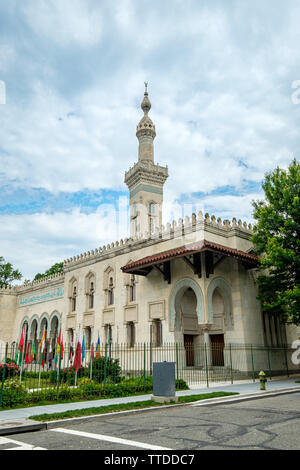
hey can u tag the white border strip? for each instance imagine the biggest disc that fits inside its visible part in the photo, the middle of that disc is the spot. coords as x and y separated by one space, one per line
115 440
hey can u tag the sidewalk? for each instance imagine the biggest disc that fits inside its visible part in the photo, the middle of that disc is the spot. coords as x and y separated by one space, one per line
244 388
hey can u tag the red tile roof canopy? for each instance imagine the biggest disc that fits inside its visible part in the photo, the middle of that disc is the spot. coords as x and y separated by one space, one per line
144 265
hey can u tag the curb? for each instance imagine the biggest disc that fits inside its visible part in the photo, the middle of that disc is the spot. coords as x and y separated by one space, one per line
18 426
27 425
58 423
208 402
248 397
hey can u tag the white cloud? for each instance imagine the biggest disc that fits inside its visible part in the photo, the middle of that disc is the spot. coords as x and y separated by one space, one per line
220 76
34 242
65 22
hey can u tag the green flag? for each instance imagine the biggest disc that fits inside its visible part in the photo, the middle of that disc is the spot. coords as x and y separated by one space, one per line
17 353
32 355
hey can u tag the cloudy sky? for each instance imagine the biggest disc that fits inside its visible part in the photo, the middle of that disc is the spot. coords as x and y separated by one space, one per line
224 82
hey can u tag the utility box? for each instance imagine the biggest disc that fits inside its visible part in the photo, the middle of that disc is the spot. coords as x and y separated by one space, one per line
164 382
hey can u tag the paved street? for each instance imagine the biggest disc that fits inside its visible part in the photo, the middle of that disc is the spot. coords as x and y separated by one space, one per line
267 423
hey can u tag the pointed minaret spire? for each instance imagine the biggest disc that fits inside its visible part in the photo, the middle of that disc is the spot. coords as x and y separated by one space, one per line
145 131
145 180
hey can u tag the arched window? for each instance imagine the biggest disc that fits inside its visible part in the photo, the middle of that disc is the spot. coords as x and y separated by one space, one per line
88 337
152 217
156 333
91 295
152 208
73 299
131 334
73 291
109 283
132 289
108 333
134 219
111 291
90 289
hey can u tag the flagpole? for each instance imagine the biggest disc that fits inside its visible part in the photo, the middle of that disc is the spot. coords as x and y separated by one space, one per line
58 372
91 362
22 360
40 367
76 358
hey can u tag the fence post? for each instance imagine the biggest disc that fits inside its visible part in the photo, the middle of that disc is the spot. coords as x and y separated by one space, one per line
269 363
252 360
231 372
206 366
58 372
91 360
286 361
177 361
150 357
105 363
144 366
3 375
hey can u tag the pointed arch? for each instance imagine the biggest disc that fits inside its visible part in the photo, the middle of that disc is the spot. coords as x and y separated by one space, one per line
44 322
225 290
179 288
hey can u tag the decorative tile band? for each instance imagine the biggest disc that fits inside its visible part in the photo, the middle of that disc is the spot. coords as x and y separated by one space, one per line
53 294
146 187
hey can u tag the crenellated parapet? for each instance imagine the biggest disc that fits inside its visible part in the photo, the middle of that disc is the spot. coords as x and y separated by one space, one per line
8 290
172 230
37 283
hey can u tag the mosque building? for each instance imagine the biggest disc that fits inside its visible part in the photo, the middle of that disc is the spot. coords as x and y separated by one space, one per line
192 281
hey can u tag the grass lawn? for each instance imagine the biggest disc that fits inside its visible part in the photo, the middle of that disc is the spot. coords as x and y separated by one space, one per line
125 407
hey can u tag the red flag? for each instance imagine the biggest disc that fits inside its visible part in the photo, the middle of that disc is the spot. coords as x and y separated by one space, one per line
27 354
77 359
43 360
62 348
21 343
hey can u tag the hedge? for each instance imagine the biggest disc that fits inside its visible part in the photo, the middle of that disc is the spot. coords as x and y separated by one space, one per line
15 394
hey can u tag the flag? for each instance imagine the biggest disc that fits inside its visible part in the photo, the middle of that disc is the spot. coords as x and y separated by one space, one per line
32 353
21 346
27 354
77 359
17 352
83 349
98 347
62 348
42 342
42 358
22 340
58 348
42 348
50 355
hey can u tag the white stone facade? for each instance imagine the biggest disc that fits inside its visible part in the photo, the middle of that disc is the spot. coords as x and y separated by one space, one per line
190 304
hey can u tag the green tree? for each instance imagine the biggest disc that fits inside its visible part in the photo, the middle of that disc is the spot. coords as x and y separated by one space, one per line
277 241
7 273
57 268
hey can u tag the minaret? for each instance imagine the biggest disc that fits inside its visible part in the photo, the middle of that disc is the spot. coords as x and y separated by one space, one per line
145 180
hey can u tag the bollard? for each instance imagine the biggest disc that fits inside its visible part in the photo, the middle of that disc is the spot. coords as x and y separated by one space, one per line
262 380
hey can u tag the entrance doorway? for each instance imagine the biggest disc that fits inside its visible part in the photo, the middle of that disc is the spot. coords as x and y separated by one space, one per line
189 349
217 350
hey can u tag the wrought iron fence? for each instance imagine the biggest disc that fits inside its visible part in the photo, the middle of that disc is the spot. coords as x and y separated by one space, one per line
131 366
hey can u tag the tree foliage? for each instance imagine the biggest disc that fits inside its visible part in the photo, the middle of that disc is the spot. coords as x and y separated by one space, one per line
7 273
57 268
277 241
